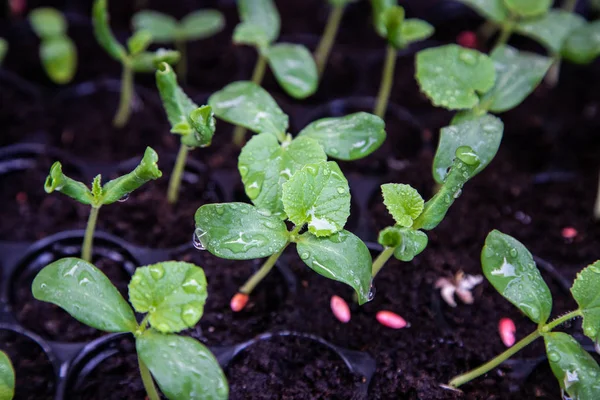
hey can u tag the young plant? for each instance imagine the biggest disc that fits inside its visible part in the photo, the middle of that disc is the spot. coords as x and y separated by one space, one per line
7 377
57 51
164 28
3 50
290 179
463 151
390 24
292 64
112 191
195 125
331 28
171 294
510 268
133 59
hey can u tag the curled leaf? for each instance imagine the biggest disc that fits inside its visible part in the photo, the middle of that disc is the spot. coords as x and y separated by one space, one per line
58 181
408 243
103 33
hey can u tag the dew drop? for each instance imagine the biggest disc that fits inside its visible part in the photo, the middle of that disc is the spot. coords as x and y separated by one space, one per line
253 189
513 252
163 328
372 292
457 193
467 57
157 271
334 151
341 190
124 198
192 286
304 255
190 314
554 356
243 170
326 171
197 239
220 209
447 199
264 212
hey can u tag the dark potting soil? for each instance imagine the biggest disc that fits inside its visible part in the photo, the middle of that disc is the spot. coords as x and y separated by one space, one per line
33 371
53 323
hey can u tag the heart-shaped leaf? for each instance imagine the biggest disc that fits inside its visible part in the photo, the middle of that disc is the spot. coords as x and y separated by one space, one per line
552 29
528 8
261 13
582 46
247 104
319 195
265 165
403 202
294 68
586 293
510 268
483 134
452 76
575 369
163 27
239 231
7 377
172 293
494 10
86 293
342 257
517 74
350 137
201 24
183 367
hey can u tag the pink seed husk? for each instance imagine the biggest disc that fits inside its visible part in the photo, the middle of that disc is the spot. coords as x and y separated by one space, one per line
390 319
340 309
238 302
507 329
569 232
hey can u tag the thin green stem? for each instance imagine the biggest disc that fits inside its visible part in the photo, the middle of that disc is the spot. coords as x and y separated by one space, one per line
181 47
381 259
175 181
126 95
88 238
262 272
553 73
331 30
505 33
239 133
387 79
148 381
597 205
493 363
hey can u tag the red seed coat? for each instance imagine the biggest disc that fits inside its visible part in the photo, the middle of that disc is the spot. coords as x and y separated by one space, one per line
340 309
390 319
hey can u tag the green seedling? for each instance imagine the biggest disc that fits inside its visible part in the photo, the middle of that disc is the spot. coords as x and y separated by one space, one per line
290 179
57 51
115 190
246 104
292 64
390 24
164 28
510 268
133 59
195 125
464 150
7 377
3 50
331 29
171 294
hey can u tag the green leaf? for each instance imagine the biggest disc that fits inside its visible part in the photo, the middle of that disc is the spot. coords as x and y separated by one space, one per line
464 167
183 367
163 27
319 195
393 18
582 46
201 24
575 369
58 181
103 34
294 68
340 3
173 294
239 231
265 165
59 57
47 22
518 73
552 29
3 49
390 237
139 42
483 134
407 242
7 377
149 61
204 124
247 104
510 268
379 8
415 30
252 35
86 293
342 257
261 13
452 76
146 170
494 10
403 202
586 293
348 138
528 8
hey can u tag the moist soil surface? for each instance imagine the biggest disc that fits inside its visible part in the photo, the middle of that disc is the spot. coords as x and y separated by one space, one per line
544 179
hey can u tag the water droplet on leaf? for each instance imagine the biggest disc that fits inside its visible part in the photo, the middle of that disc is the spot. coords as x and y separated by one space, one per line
554 356
157 271
197 239
190 314
513 252
124 198
467 57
